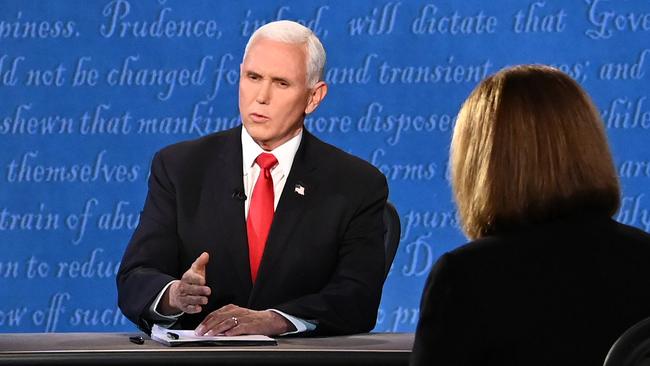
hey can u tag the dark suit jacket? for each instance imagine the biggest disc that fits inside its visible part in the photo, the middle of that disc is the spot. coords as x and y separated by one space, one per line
558 293
324 257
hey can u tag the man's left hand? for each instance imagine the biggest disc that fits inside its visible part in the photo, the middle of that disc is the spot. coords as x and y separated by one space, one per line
233 320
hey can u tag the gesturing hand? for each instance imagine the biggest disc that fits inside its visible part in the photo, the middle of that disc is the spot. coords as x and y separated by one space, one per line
189 293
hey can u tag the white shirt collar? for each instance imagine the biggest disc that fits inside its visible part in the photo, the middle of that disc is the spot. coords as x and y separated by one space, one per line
284 153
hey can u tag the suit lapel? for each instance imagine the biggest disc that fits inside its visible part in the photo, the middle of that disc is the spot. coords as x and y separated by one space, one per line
290 209
227 179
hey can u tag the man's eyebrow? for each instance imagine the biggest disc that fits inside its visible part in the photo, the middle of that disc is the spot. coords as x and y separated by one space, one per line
273 78
280 79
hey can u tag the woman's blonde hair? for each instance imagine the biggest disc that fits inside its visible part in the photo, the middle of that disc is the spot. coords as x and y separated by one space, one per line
528 146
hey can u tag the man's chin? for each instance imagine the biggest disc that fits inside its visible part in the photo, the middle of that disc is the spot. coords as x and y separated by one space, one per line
256 131
258 134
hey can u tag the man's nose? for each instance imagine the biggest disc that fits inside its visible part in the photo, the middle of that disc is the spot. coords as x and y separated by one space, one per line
264 93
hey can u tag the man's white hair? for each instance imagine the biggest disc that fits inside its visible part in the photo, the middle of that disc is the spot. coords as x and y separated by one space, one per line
287 31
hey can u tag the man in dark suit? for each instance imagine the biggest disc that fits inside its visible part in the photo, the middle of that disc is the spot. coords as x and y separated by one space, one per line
263 229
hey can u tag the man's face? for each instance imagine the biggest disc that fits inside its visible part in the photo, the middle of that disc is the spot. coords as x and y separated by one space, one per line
273 93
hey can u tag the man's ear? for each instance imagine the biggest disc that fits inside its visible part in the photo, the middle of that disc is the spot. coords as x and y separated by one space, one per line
316 95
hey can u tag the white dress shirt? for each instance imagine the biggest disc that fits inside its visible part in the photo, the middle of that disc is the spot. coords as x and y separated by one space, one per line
285 154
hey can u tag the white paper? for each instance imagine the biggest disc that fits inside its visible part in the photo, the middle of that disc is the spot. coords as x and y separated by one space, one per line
162 335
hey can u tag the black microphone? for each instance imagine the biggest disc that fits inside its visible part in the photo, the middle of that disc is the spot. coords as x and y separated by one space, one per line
239 195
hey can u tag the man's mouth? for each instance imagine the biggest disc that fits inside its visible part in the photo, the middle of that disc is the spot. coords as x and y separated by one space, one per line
257 117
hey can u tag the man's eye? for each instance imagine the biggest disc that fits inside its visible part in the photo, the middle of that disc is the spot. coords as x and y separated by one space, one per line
283 84
253 77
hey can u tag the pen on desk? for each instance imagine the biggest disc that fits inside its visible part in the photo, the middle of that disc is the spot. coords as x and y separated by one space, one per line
172 335
136 340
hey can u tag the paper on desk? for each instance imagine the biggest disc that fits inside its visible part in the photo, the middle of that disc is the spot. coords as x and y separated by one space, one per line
187 337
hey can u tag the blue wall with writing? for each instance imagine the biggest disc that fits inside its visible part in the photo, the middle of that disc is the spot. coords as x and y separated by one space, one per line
89 90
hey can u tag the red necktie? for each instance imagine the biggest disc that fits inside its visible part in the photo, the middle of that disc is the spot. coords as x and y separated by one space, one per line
260 212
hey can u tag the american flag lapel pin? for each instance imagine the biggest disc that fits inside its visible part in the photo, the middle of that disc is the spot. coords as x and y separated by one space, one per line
300 189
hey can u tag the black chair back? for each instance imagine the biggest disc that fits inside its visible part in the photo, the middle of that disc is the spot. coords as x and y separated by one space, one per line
632 348
391 235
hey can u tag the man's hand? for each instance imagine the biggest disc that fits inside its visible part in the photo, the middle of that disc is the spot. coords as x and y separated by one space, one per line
190 293
234 320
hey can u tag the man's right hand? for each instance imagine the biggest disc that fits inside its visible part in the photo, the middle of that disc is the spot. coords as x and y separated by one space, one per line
189 293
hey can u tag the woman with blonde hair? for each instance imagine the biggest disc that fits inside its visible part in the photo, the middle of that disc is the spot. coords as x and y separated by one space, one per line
548 278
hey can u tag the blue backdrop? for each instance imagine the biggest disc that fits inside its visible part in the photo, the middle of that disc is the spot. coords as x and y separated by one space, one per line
89 90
